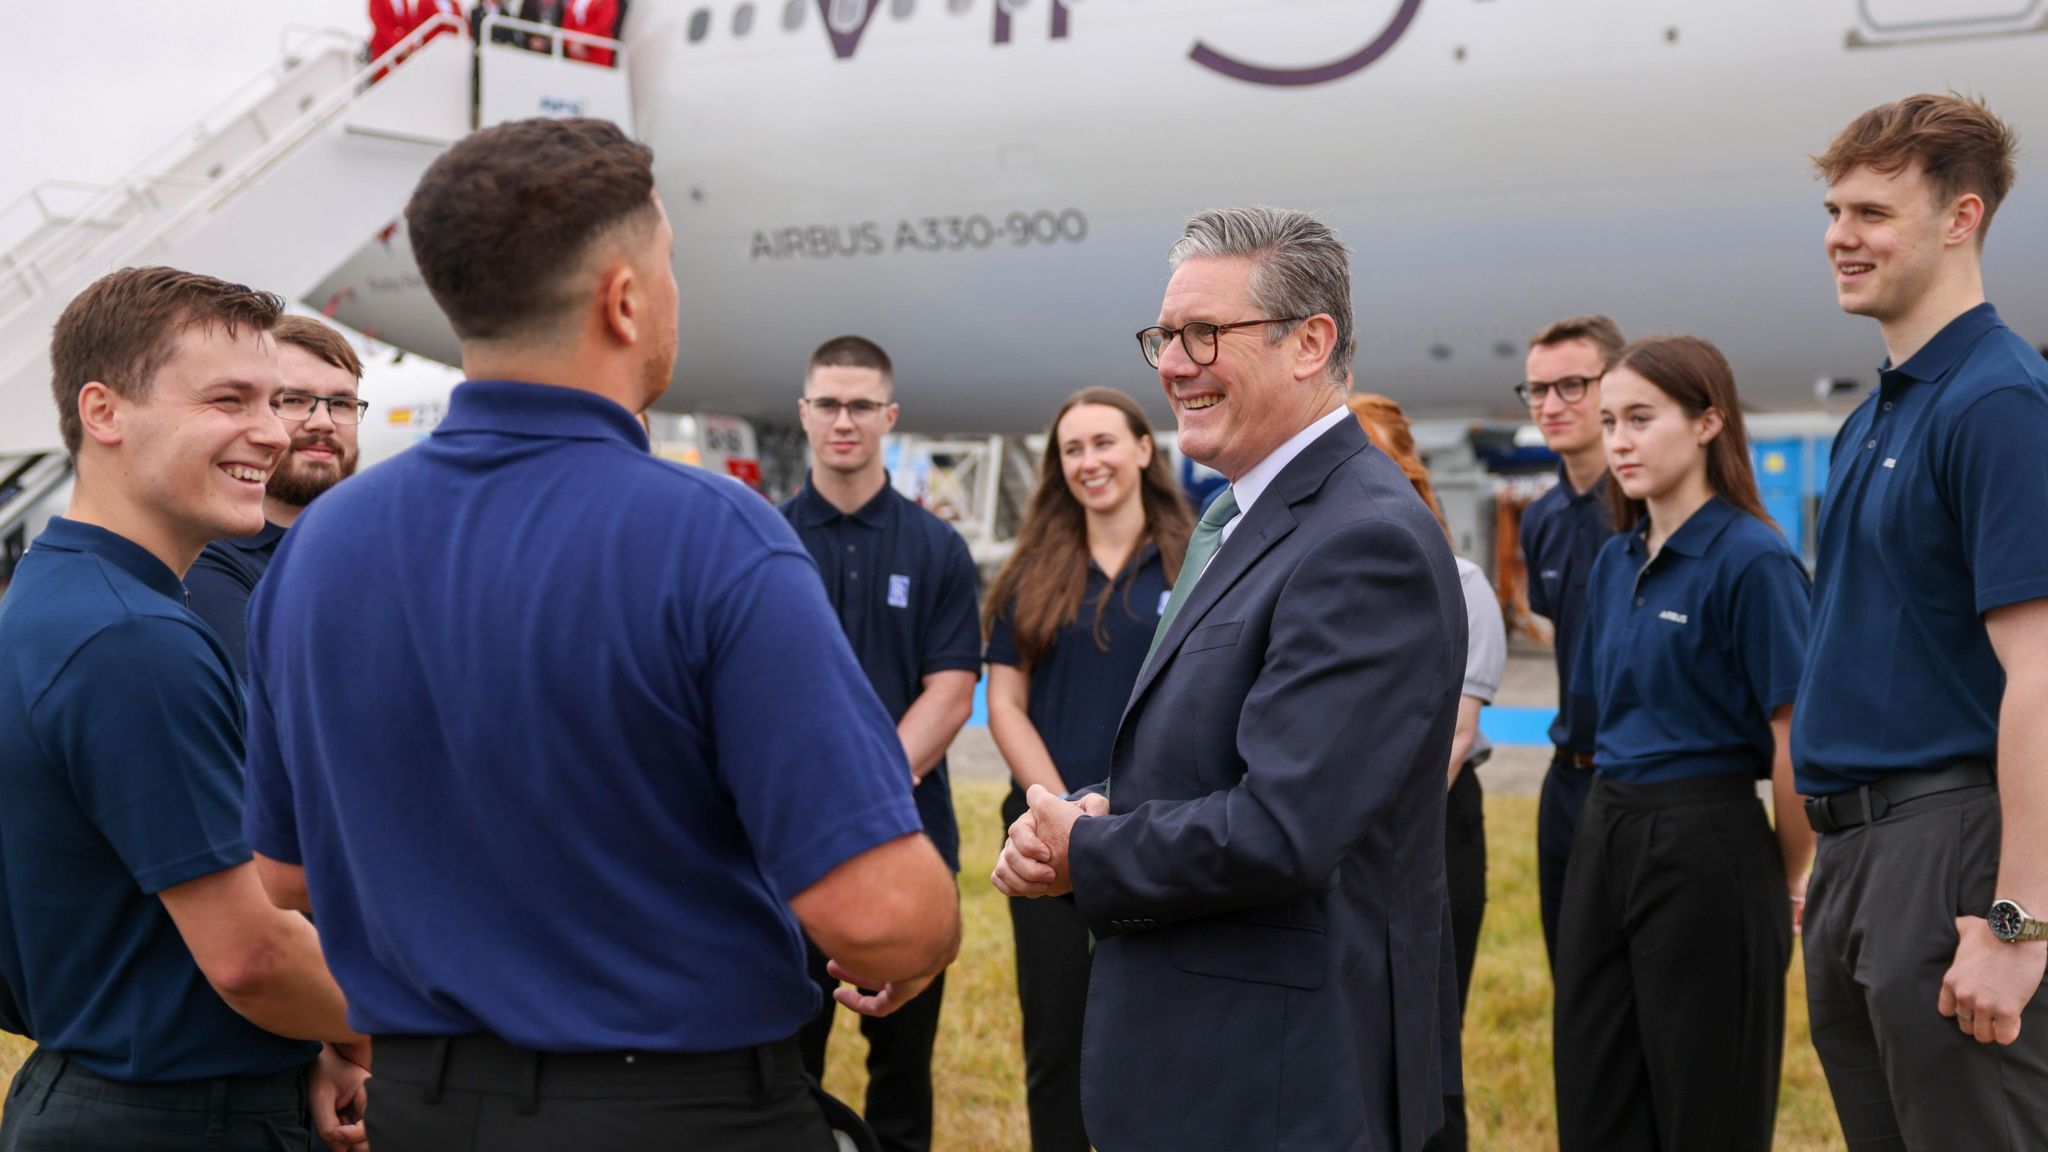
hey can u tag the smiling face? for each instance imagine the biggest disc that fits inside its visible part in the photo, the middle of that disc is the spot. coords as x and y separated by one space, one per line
1104 464
1568 427
1885 240
843 441
1654 446
195 450
1234 412
323 450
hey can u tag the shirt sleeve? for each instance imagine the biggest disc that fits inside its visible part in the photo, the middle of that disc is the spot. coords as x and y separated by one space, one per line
1002 640
220 596
1996 476
1583 686
1486 644
819 786
953 637
148 722
1539 598
269 816
1771 610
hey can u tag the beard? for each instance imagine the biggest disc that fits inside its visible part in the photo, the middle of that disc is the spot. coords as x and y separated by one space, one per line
297 482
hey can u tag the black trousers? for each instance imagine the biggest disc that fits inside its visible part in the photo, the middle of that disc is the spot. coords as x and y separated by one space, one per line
899 1104
436 1094
1557 825
1880 928
1465 873
1671 959
1053 955
57 1106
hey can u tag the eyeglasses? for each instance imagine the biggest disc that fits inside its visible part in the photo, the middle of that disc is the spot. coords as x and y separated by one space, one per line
1570 389
340 409
828 409
1198 339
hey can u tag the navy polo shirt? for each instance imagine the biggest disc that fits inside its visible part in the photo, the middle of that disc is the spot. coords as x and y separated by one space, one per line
1935 510
1562 532
904 587
120 776
221 582
591 727
1687 656
1078 690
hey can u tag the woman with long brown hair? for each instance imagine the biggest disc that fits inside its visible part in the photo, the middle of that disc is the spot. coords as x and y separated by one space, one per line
1069 619
1486 657
1678 904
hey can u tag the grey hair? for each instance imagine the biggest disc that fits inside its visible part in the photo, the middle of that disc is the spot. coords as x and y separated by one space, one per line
1300 268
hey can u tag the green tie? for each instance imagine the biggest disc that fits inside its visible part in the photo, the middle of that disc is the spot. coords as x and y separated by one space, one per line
1208 535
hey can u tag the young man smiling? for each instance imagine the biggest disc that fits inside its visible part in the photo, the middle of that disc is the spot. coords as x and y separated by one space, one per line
321 412
136 946
1922 728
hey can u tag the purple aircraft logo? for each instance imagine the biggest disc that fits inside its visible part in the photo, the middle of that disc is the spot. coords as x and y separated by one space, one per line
846 21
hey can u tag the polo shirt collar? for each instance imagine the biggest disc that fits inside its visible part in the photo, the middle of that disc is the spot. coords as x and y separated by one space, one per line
71 536
517 408
1946 350
260 541
816 511
1693 537
1145 554
1572 495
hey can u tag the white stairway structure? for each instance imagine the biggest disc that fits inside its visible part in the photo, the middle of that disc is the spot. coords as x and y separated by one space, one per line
280 186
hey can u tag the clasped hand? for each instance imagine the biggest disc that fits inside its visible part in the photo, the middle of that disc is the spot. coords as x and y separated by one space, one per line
1034 858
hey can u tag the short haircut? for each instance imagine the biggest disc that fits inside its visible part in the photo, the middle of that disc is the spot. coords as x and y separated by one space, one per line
322 342
852 352
1955 139
1299 267
123 328
1601 332
501 222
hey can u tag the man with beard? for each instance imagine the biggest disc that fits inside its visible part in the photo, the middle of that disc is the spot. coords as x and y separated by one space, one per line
321 411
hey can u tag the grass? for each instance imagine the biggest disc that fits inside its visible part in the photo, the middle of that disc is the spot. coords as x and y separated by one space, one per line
978 1067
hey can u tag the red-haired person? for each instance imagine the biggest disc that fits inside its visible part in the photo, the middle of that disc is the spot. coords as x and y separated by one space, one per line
1677 921
1069 619
1921 740
1486 658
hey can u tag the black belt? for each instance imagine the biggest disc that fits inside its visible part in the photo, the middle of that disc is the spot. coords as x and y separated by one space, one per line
1577 761
1870 803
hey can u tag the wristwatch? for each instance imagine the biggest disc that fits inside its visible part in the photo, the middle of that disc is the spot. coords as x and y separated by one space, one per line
2010 923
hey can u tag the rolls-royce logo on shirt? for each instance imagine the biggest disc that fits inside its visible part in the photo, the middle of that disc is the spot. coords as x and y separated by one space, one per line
899 591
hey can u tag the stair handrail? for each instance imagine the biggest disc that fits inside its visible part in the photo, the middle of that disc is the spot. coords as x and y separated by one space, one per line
259 160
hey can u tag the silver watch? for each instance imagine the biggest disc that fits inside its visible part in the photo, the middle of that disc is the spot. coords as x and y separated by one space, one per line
2010 923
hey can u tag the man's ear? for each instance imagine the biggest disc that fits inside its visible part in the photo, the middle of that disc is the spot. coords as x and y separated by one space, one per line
619 299
1318 342
99 413
1965 221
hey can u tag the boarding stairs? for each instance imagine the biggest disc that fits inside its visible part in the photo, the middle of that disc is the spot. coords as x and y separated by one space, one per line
281 184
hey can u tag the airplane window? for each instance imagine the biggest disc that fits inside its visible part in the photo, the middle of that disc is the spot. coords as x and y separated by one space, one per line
743 20
846 16
959 6
902 9
700 24
793 15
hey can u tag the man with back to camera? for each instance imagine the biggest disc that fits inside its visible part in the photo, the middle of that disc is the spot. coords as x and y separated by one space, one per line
904 587
1562 531
136 947
619 764
321 412
1922 726
1266 878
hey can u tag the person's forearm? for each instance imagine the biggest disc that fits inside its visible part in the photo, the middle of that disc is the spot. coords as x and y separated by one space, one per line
289 992
1023 749
2023 795
928 727
1788 811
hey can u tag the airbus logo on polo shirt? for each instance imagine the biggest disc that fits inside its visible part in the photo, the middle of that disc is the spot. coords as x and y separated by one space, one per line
1674 617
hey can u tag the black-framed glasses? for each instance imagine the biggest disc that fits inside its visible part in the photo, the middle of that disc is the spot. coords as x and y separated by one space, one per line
1198 339
828 409
340 409
1570 389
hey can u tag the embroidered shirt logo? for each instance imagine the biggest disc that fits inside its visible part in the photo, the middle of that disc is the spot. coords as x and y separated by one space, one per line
1891 462
1674 617
899 591
1163 598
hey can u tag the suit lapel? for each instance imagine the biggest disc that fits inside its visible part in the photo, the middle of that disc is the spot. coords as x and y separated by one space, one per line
1270 519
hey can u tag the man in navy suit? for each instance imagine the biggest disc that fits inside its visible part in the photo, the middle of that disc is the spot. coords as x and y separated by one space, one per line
1265 874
